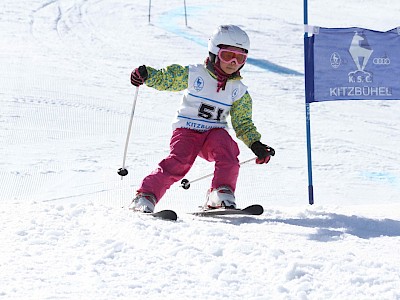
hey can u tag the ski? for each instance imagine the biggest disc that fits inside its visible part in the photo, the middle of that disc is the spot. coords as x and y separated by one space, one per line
165 214
253 210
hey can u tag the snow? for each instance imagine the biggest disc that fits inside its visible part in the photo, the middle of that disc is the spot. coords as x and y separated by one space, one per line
66 101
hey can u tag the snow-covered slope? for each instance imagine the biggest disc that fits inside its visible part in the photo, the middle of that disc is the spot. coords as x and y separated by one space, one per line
65 107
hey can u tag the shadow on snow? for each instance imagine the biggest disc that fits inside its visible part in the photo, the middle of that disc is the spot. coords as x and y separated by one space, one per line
331 226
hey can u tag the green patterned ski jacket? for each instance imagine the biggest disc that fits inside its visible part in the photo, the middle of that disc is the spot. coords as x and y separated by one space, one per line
175 78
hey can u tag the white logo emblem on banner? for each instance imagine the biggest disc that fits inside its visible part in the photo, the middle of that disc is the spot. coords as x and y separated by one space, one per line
335 60
360 51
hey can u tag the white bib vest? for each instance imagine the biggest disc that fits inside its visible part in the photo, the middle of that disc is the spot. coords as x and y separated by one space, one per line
202 108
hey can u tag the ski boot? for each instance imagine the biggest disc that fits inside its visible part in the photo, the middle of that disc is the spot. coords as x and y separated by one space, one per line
222 197
143 202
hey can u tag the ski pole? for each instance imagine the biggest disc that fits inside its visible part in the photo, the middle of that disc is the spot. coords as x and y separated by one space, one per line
186 183
123 171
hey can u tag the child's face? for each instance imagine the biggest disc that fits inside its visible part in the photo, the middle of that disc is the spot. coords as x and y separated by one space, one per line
233 66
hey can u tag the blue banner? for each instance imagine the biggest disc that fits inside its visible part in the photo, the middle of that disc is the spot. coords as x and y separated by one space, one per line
353 64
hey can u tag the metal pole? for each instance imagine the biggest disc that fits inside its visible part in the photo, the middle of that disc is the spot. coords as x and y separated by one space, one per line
186 183
123 171
308 115
149 10
184 4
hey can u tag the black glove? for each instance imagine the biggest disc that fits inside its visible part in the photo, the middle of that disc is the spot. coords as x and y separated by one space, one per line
139 75
263 152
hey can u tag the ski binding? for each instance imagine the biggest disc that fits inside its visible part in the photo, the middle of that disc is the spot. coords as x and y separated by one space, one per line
253 210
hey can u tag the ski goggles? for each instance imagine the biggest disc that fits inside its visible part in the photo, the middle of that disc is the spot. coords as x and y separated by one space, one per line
228 56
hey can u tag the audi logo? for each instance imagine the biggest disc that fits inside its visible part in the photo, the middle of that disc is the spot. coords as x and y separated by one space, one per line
381 61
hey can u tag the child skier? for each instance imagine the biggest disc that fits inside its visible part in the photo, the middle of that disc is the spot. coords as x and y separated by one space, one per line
212 91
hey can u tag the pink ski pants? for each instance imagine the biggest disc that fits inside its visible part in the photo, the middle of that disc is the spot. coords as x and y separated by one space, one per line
215 145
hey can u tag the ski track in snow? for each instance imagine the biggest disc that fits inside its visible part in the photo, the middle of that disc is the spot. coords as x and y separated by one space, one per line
66 102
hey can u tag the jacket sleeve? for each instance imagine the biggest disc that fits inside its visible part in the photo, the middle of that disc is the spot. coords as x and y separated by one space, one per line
242 123
173 78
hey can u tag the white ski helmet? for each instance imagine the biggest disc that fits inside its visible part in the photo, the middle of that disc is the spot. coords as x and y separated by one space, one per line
230 35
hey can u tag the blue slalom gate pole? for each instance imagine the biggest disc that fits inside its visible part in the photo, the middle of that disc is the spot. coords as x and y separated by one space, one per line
308 122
